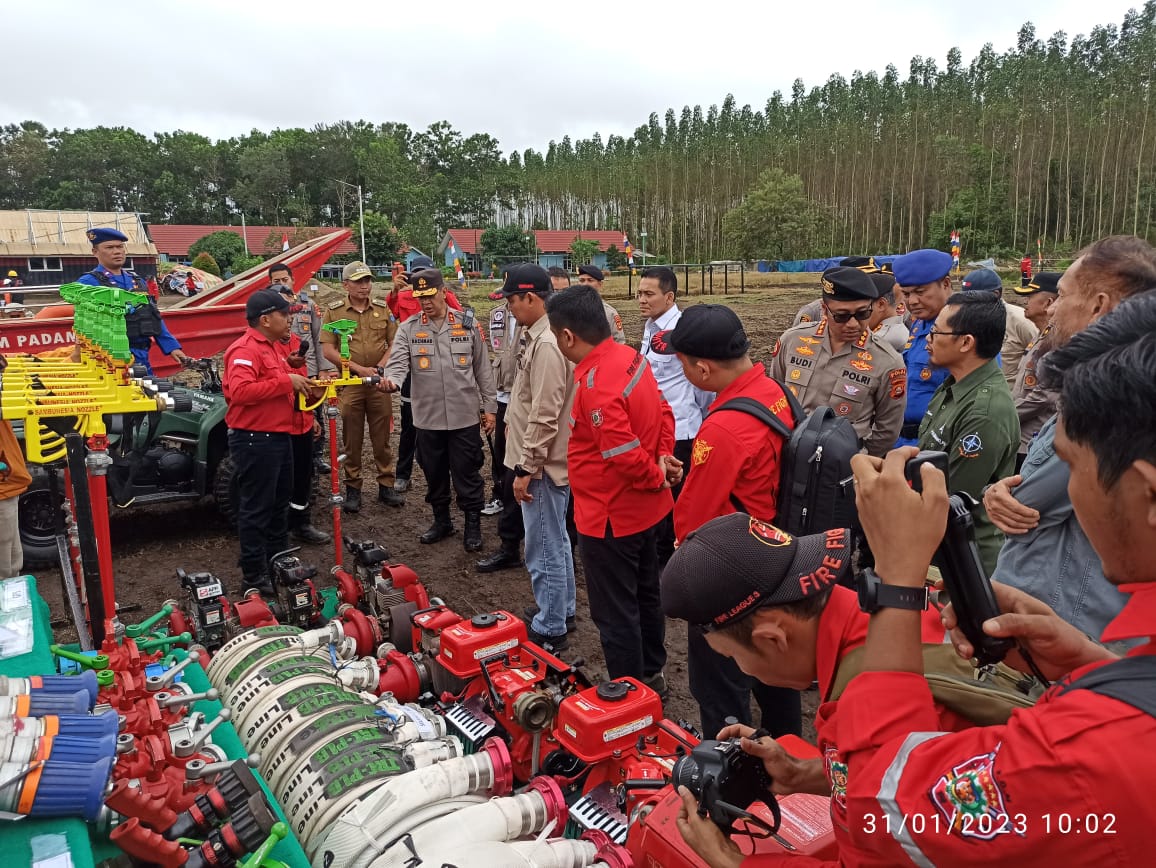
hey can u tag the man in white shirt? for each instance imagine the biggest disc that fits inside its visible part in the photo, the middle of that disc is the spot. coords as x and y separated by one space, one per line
657 290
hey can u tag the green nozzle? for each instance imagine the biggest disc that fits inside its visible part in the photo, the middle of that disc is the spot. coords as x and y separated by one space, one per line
343 328
165 641
100 661
257 860
105 678
135 630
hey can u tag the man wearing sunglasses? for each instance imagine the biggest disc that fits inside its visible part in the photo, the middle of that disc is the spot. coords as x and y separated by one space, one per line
840 363
971 416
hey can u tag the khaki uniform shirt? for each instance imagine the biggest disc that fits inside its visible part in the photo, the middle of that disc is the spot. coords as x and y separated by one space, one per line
1020 332
866 381
893 331
450 375
504 334
812 311
1034 404
537 435
376 327
615 322
306 324
974 422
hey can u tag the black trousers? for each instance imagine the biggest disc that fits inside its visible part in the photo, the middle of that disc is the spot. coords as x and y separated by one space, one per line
622 586
498 452
302 494
452 455
723 690
264 469
407 439
665 542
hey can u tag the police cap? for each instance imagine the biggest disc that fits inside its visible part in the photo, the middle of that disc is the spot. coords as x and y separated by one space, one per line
100 234
426 282
1045 281
922 266
844 283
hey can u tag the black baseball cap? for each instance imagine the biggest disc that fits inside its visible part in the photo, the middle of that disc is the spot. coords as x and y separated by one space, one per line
982 280
705 331
526 277
734 564
419 263
265 301
1044 281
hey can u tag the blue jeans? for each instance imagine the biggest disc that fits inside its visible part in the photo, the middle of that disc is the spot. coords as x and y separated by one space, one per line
548 555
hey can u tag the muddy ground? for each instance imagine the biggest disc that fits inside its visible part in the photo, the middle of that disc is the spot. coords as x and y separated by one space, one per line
151 543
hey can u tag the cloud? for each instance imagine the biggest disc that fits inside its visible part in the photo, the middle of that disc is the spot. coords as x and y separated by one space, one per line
524 72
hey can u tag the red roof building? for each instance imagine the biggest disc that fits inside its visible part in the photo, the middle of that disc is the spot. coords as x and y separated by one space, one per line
552 245
173 241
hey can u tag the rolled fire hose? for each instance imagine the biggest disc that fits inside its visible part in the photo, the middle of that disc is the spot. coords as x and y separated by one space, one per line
360 834
503 819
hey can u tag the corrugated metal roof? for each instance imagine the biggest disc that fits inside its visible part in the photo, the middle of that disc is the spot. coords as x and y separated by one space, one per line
176 239
547 240
62 233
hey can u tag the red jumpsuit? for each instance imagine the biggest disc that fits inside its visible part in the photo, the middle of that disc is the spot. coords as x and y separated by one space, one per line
1065 783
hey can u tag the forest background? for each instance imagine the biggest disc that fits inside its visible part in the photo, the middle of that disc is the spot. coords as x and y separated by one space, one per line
1051 142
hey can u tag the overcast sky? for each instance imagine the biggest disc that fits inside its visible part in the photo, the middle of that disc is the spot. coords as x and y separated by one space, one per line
525 72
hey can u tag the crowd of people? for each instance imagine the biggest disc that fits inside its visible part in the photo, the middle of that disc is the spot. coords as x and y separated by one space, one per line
628 461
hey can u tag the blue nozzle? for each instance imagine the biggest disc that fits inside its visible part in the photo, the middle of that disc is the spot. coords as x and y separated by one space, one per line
75 749
72 789
89 725
70 684
41 703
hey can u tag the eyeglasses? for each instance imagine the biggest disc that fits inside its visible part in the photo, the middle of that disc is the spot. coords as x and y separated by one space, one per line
933 333
842 316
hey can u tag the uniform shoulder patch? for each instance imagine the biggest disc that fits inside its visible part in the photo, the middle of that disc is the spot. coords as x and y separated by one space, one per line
379 302
700 452
334 305
970 445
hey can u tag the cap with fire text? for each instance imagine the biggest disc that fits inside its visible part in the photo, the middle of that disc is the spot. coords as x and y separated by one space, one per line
735 564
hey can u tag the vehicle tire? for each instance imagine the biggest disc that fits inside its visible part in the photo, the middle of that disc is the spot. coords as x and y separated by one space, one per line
225 490
37 513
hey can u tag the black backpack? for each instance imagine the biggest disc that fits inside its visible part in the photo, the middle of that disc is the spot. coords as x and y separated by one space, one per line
816 462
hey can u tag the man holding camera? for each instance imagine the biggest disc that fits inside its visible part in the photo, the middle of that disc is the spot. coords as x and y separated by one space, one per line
1007 794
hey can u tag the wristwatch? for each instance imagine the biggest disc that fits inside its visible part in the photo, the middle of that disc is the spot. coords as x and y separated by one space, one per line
520 471
874 595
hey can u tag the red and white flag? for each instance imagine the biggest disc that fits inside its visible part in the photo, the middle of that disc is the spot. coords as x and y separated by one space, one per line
284 241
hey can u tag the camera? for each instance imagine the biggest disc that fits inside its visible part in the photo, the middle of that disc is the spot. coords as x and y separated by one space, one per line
726 780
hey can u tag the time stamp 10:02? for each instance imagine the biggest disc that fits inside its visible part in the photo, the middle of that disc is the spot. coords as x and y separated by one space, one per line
986 825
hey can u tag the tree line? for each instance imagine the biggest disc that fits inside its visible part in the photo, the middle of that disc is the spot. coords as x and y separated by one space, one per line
1052 140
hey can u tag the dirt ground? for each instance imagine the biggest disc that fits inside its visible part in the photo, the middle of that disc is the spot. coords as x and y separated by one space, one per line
150 544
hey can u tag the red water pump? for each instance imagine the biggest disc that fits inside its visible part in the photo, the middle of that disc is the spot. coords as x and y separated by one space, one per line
491 680
378 599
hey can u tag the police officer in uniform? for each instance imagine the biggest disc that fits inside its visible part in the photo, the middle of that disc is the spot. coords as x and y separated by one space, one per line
305 354
306 324
840 363
143 323
1035 403
505 342
444 352
368 350
886 321
591 275
924 277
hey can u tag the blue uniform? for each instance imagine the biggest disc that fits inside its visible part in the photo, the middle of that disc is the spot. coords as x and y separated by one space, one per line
140 348
923 378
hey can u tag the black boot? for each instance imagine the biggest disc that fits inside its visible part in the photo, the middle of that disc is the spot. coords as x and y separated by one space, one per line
321 466
352 500
389 496
442 527
301 528
473 536
505 558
